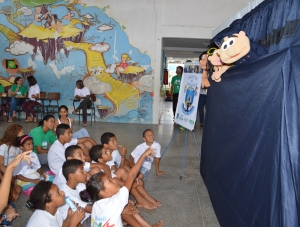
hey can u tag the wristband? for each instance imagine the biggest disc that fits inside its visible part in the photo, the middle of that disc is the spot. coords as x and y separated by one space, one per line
123 155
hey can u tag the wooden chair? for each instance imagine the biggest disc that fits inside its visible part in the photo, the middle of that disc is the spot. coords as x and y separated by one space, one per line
52 107
40 109
90 111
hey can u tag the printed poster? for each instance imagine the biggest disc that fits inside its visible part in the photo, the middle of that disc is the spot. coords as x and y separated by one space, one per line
187 106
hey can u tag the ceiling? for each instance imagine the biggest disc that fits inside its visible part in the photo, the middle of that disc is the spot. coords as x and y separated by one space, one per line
184 47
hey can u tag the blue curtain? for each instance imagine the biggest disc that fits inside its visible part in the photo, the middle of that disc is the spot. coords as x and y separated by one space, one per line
250 148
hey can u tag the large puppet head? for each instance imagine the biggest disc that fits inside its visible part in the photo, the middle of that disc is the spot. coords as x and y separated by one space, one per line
234 47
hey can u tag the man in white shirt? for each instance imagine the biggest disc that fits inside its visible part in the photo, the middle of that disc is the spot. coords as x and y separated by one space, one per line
56 154
82 93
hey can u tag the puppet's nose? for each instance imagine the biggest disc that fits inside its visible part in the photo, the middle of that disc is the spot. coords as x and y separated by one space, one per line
231 51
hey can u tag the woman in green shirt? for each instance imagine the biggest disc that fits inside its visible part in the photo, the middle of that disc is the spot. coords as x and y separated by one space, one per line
43 137
18 95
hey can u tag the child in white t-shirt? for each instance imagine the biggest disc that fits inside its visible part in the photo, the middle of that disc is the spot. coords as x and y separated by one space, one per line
75 175
75 152
45 199
109 199
101 155
138 191
148 137
28 175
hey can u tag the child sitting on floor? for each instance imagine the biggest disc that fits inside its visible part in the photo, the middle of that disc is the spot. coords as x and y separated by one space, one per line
102 154
76 152
109 199
148 137
75 175
45 199
29 175
108 139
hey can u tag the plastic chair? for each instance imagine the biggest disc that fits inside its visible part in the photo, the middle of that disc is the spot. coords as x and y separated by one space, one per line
90 111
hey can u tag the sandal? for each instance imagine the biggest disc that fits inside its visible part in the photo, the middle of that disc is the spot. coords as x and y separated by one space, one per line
10 120
29 119
75 111
35 119
84 124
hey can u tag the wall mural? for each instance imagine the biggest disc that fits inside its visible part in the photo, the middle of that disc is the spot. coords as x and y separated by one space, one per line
60 42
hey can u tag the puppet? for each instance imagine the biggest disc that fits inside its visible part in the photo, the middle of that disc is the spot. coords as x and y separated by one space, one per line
238 49
218 66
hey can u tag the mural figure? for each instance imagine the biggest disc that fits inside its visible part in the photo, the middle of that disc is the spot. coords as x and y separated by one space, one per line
122 66
127 70
55 47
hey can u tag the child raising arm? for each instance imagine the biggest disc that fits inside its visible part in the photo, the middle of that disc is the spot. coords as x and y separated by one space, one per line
148 137
109 199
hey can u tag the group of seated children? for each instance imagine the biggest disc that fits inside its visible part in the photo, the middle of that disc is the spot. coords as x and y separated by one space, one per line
99 189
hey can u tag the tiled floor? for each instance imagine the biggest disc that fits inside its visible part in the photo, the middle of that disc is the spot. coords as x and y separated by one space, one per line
184 202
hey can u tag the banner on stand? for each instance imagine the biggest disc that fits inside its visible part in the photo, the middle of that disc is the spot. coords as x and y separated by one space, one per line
187 106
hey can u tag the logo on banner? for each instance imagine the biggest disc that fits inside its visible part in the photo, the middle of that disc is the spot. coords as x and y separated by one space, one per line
190 90
188 98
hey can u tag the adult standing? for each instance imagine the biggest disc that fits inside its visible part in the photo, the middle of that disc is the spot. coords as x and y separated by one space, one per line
175 87
43 137
18 95
203 90
201 105
82 93
33 95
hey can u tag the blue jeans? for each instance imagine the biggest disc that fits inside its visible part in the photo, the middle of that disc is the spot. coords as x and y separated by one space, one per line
14 102
201 105
80 133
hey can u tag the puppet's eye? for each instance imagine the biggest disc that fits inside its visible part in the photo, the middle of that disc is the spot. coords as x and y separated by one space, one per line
229 42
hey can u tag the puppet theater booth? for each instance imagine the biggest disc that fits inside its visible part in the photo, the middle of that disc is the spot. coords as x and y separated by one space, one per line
251 141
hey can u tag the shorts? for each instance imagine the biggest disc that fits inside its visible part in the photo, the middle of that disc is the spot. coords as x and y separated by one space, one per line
144 171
